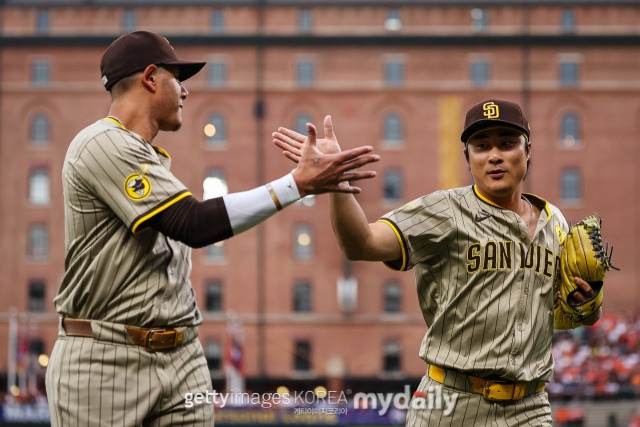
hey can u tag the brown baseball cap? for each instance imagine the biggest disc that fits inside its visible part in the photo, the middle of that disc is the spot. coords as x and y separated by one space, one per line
135 51
495 112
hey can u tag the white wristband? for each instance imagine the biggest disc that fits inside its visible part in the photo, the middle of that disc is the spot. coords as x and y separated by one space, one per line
249 208
285 191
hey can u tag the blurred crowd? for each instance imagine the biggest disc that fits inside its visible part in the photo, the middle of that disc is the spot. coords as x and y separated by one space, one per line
599 361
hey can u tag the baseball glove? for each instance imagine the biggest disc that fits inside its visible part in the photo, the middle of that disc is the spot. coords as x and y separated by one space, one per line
583 255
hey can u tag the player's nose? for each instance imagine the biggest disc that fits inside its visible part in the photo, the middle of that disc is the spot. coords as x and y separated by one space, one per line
183 91
495 156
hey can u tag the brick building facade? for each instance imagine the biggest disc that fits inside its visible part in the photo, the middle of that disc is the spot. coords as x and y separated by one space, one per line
396 75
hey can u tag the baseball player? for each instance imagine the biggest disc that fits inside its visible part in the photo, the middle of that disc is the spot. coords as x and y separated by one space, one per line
126 353
485 259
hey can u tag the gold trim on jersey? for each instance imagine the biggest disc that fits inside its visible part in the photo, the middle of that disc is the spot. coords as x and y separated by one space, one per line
546 204
116 121
402 248
161 151
484 199
134 227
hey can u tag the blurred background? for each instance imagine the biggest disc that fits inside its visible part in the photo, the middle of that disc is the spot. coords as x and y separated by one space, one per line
283 310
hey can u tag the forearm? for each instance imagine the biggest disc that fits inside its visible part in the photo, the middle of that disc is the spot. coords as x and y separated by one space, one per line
351 227
194 223
198 224
249 208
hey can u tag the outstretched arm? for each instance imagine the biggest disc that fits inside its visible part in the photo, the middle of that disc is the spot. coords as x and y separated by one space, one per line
202 223
358 239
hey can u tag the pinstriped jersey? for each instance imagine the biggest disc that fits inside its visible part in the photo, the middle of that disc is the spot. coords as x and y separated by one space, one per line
485 288
115 271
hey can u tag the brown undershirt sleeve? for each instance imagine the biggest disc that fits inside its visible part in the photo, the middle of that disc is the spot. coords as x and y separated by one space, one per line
194 223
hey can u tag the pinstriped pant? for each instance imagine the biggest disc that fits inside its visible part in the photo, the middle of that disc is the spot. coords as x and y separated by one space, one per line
93 383
472 409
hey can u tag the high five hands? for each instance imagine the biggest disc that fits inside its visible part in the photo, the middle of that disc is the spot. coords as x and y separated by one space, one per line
322 166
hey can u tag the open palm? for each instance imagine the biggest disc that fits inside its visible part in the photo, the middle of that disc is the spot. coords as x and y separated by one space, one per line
291 141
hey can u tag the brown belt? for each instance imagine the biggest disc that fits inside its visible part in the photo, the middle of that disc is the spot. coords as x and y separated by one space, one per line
154 339
492 390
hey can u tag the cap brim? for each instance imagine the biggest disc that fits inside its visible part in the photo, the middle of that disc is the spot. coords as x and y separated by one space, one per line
187 69
481 124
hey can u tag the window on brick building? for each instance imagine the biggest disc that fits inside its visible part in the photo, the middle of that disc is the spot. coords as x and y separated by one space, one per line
215 131
568 20
392 181
42 21
214 185
393 22
479 19
305 73
480 73
38 242
217 73
213 303
302 242
302 356
571 186
39 130
570 130
569 73
392 298
305 20
392 129
302 297
217 21
39 191
392 356
129 21
41 73
37 297
394 73
214 355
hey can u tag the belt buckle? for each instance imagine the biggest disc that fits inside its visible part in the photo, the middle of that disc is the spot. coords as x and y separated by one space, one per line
487 390
148 341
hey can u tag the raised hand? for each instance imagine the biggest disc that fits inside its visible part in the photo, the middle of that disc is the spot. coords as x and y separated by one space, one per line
291 141
319 171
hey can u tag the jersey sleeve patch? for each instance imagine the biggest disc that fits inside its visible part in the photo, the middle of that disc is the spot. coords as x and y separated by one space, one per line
137 186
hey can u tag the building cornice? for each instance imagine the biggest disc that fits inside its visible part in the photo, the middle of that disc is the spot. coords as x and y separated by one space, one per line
346 40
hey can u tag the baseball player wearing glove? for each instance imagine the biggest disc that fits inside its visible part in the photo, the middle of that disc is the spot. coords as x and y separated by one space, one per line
485 258
583 257
126 352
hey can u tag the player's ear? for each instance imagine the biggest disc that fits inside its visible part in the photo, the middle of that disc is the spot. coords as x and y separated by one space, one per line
527 149
149 77
466 153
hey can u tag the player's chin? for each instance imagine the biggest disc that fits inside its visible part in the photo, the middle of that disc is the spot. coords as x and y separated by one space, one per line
499 187
171 126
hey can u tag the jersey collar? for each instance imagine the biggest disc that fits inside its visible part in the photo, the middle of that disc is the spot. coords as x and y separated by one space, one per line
538 201
155 147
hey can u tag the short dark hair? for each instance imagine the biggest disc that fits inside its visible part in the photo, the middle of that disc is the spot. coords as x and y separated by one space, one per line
123 85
